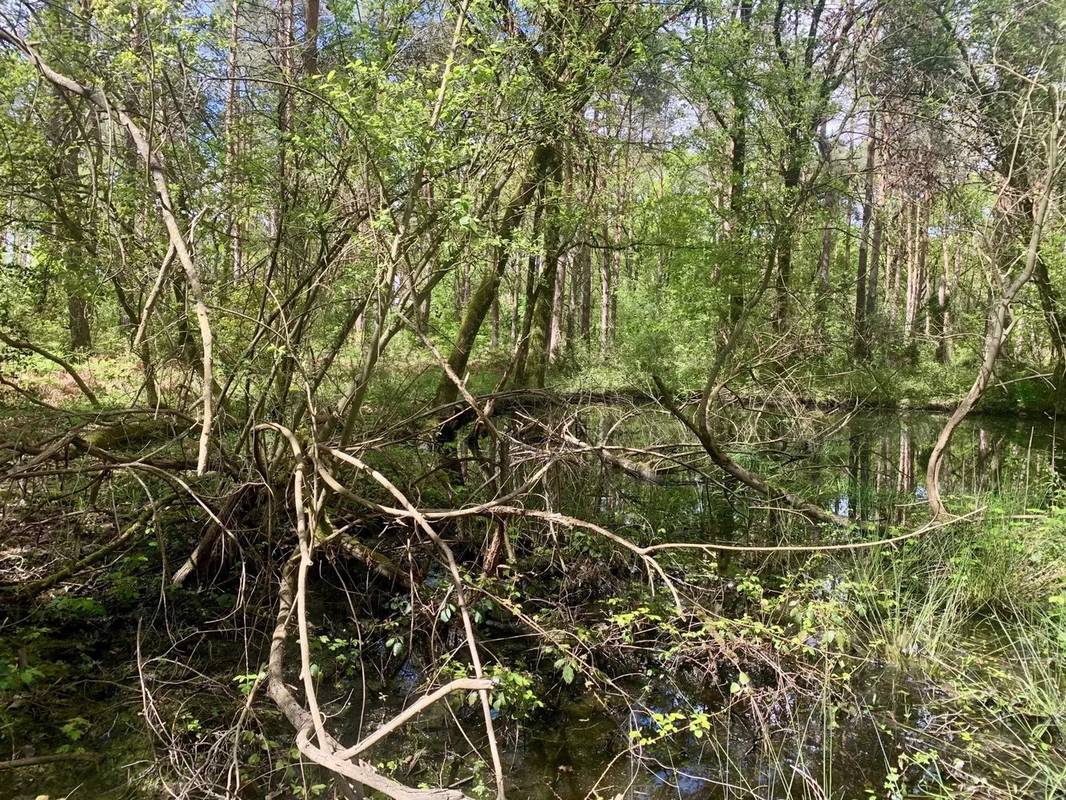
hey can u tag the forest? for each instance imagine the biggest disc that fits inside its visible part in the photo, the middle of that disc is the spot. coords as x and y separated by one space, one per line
532 399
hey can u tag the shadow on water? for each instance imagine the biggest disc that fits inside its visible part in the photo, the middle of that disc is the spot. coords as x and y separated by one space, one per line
807 747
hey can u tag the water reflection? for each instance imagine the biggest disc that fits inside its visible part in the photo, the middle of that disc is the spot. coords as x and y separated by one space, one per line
866 467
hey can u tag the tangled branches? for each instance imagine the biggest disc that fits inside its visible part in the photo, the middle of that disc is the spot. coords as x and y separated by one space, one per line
514 461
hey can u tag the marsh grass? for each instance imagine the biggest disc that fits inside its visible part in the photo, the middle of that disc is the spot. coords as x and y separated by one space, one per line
978 617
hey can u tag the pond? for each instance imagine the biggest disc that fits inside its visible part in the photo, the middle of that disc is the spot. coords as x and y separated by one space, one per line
875 713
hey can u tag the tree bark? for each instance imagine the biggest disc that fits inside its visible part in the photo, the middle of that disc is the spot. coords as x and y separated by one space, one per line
540 340
233 143
1055 318
557 333
607 270
861 345
583 275
487 289
310 55
736 228
943 300
918 249
81 340
825 260
873 275
997 333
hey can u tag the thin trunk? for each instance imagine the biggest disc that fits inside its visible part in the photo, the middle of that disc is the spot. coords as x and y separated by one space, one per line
874 268
737 229
825 258
531 284
571 304
544 320
1055 317
516 302
494 328
918 249
861 344
606 299
585 278
480 303
892 257
556 339
782 300
284 56
782 313
78 322
943 297
232 144
310 55
998 325
922 267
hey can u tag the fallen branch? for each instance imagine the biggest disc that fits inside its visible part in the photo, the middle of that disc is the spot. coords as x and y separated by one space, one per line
358 772
413 710
460 596
52 758
373 560
646 551
215 529
634 469
748 478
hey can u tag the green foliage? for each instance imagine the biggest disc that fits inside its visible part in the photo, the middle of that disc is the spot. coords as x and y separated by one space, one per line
75 728
13 677
245 683
515 691
78 609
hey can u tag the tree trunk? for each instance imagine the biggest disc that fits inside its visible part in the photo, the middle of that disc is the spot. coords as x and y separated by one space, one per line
825 259
943 298
78 323
606 299
861 344
892 266
516 304
310 55
873 273
1055 318
736 227
544 309
918 252
556 337
494 329
782 301
927 282
284 51
233 145
584 278
481 302
782 313
997 332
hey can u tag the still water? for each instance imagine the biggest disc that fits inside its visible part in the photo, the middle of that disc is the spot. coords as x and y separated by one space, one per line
586 743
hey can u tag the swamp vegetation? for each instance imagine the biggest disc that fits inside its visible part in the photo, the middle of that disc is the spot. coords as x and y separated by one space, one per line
532 399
